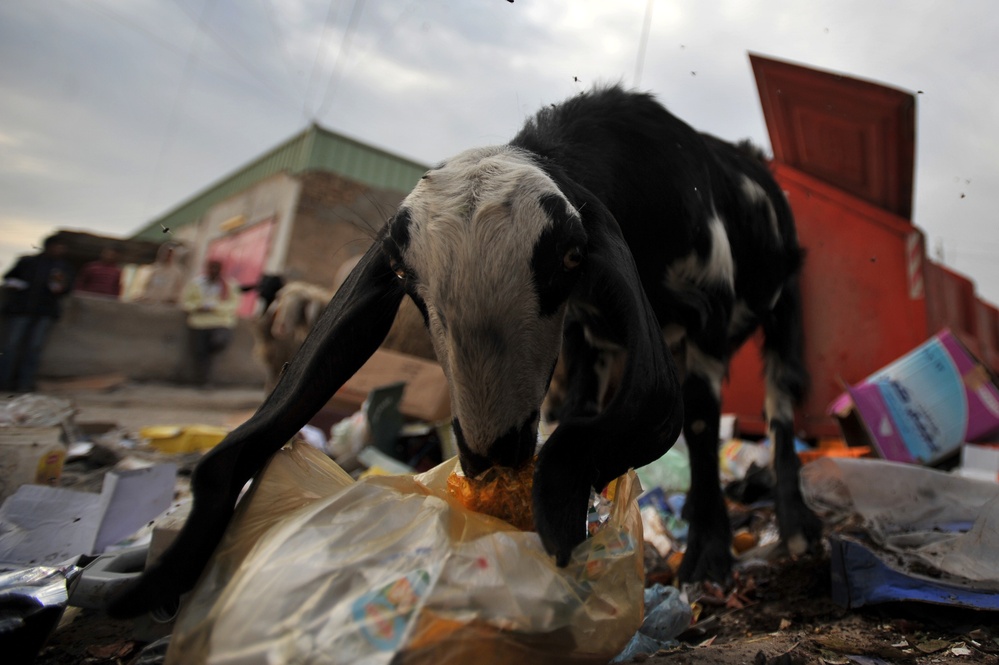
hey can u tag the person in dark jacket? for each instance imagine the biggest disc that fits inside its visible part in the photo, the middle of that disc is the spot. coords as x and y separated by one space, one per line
34 287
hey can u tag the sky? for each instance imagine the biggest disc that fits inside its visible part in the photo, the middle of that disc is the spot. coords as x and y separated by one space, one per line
113 112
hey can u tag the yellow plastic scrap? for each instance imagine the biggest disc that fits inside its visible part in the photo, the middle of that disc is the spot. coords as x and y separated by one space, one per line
175 439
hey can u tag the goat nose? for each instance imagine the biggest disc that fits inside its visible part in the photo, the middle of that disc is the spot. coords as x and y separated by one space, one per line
512 449
517 445
472 463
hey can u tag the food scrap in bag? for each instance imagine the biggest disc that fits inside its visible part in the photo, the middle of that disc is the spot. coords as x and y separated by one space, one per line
500 492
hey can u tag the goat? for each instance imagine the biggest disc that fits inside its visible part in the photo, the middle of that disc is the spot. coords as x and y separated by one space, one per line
281 329
607 224
279 332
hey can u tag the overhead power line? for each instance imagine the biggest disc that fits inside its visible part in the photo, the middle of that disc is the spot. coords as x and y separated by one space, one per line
342 53
234 53
319 61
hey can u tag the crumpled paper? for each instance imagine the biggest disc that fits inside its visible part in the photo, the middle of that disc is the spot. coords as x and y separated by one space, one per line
317 568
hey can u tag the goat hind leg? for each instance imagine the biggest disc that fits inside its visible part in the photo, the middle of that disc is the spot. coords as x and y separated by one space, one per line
786 384
800 529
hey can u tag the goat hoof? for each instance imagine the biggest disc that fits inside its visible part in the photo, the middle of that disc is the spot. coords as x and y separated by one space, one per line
800 529
708 558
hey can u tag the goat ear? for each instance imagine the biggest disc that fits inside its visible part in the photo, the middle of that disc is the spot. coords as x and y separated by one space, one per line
347 333
643 419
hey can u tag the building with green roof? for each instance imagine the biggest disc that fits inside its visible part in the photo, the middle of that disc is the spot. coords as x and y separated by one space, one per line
301 210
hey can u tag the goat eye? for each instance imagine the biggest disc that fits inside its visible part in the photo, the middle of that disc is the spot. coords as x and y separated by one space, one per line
397 268
572 258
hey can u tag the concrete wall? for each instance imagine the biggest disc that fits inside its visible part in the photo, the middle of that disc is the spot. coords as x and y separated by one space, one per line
144 342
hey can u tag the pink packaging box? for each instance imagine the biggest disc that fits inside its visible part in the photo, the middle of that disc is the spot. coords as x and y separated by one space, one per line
923 406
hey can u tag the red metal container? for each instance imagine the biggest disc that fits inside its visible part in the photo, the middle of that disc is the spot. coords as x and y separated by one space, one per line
843 152
862 299
987 318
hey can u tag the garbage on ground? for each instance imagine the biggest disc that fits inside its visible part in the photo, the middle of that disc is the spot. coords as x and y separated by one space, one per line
666 482
306 569
377 437
31 455
34 410
667 615
106 574
44 525
831 447
922 407
905 532
32 600
314 436
32 441
980 461
174 439
737 457
862 576
426 397
671 472
662 520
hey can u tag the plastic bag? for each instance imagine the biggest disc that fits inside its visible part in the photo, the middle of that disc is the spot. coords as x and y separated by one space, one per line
924 519
317 568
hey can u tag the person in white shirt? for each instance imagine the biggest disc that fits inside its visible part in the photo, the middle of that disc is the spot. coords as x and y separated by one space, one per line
210 301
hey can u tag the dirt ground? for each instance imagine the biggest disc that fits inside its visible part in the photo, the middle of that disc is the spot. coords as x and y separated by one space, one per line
781 612
789 618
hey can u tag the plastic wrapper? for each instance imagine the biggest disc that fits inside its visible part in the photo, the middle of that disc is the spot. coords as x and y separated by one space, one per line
917 518
34 410
317 568
32 601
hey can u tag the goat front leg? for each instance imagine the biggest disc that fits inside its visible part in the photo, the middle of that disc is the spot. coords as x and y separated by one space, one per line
709 541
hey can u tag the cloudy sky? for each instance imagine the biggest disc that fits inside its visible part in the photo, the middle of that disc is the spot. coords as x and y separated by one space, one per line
112 112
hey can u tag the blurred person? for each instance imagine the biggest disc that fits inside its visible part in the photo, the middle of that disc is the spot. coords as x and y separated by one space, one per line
34 288
165 278
210 301
103 276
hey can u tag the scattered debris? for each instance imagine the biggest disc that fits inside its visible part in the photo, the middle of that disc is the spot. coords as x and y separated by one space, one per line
774 610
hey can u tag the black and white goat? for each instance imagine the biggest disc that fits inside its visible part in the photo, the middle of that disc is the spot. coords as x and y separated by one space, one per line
606 225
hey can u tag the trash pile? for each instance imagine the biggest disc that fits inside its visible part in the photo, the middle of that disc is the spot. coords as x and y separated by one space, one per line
352 541
69 496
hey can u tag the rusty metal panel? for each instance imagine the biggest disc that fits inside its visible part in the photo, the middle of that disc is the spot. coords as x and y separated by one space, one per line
855 135
951 303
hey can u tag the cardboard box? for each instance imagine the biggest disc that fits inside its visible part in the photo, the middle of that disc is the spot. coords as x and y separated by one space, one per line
923 406
425 397
29 455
